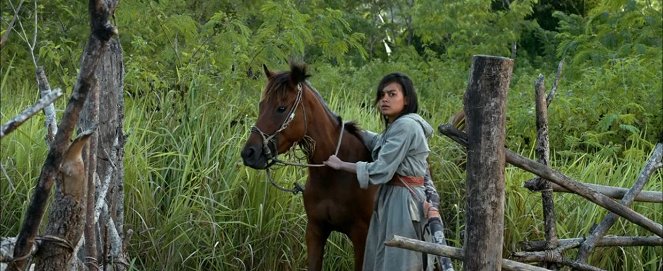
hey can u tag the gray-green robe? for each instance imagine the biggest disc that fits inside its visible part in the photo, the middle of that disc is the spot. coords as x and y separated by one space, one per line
402 149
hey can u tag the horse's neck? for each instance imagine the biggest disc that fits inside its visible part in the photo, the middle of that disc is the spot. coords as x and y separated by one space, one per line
324 129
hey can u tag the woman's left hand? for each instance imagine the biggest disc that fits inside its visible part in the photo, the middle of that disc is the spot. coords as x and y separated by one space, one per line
333 162
430 210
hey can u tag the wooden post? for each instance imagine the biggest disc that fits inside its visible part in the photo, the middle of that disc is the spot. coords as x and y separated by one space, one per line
485 103
543 152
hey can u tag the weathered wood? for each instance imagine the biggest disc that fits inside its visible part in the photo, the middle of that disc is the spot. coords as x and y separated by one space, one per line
67 214
566 182
102 30
452 252
49 110
19 119
7 249
552 256
111 150
607 241
543 152
485 102
551 94
89 120
650 167
609 191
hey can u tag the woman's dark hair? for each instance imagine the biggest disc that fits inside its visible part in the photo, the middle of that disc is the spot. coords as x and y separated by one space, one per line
409 93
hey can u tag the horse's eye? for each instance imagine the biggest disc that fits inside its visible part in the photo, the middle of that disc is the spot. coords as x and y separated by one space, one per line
281 109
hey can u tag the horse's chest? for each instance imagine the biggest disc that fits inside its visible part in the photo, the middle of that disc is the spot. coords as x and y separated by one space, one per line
330 210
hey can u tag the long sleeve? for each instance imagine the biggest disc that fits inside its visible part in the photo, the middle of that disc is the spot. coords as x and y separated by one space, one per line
431 192
401 149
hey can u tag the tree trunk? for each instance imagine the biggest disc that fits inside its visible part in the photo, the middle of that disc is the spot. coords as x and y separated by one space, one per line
101 32
67 214
110 152
485 102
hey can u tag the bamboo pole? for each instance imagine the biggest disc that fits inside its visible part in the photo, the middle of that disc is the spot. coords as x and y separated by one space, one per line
566 182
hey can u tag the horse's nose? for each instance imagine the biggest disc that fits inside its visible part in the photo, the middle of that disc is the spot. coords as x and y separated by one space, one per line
251 156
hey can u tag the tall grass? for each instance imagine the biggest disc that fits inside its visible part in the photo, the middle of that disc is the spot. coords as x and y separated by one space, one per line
193 205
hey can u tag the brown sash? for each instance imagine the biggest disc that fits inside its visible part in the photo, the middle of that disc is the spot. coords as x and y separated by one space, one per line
406 181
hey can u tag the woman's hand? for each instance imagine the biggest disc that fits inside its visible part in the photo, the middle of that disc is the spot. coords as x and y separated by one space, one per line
334 162
430 210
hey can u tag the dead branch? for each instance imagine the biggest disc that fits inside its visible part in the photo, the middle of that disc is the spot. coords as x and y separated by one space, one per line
5 36
49 110
551 94
449 251
652 165
29 112
610 191
564 181
607 241
543 153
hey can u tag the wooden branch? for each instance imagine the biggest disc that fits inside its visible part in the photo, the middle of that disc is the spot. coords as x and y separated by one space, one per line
610 191
485 106
28 113
452 252
7 248
49 110
5 36
552 92
37 207
552 256
607 241
543 152
566 182
652 164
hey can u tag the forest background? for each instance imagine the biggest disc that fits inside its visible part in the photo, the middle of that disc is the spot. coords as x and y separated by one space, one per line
194 78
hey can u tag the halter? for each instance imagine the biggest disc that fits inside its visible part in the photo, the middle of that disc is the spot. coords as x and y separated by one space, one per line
267 139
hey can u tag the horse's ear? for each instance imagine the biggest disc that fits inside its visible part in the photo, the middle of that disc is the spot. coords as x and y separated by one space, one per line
268 73
298 73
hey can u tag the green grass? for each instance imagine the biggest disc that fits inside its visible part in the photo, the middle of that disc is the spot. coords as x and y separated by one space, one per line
193 205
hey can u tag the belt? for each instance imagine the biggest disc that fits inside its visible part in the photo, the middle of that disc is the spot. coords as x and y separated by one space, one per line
406 181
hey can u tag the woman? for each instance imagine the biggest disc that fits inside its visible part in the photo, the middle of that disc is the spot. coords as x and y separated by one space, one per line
399 165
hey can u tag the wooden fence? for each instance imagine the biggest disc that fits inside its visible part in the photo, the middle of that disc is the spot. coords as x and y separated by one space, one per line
484 118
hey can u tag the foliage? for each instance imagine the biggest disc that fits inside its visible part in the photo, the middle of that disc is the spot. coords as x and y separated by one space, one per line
193 80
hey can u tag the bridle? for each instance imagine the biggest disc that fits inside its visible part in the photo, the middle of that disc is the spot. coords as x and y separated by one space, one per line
268 138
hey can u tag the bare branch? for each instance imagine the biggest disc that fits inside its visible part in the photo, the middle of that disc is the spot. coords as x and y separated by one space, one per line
551 95
5 36
29 112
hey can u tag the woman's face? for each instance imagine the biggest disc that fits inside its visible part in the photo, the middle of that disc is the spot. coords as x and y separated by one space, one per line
392 102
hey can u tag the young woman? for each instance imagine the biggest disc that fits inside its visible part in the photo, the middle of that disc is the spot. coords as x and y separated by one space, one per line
400 167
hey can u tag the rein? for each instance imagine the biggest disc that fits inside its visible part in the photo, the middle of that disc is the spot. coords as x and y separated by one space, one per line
273 159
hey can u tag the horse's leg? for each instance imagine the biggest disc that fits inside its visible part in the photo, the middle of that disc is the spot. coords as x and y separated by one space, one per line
316 237
358 238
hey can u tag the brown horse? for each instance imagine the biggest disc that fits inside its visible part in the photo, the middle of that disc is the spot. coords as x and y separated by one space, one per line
292 112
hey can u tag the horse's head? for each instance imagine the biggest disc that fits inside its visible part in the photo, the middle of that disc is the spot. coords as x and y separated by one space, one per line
281 117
